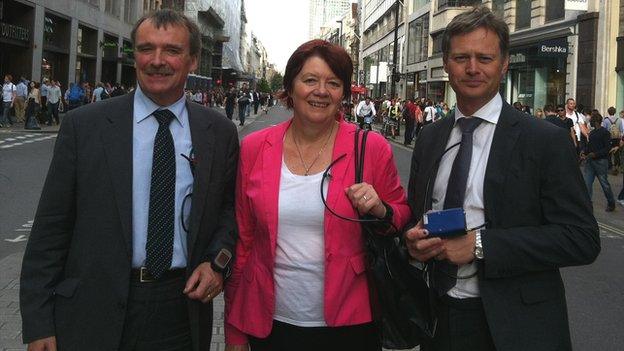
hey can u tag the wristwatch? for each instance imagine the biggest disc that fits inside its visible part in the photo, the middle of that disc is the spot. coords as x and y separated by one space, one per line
478 250
221 260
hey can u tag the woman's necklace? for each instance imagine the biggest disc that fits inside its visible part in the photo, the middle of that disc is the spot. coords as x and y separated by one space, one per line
306 167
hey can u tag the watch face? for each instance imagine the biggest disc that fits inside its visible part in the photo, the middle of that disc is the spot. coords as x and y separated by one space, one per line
223 258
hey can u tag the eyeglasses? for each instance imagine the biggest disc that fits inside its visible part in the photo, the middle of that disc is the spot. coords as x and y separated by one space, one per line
560 110
185 209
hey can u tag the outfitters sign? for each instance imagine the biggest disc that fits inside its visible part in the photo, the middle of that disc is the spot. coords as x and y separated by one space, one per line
553 48
11 31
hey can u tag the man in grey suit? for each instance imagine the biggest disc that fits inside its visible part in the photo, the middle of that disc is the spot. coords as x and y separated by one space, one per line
496 286
135 227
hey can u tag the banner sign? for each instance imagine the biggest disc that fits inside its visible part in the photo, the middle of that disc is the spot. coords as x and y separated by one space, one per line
11 31
553 48
578 5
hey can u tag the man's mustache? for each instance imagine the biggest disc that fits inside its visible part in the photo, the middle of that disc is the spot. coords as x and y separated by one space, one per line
159 70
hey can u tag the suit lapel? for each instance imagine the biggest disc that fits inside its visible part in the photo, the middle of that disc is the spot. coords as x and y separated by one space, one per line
117 139
505 137
202 140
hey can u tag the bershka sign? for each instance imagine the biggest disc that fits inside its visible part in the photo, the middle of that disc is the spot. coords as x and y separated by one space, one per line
553 48
578 5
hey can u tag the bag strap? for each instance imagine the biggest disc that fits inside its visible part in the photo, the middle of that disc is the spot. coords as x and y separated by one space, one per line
359 150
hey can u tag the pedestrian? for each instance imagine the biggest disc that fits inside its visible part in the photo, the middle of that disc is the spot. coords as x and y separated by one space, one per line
135 229
580 126
97 92
256 101
409 117
230 103
539 113
615 126
43 91
429 113
54 100
561 120
75 96
596 156
21 96
313 275
33 107
9 91
497 285
244 99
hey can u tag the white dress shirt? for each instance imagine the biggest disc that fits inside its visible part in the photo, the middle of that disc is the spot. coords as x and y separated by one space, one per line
473 201
143 135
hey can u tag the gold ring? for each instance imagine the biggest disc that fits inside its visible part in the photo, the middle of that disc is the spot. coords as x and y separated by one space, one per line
365 198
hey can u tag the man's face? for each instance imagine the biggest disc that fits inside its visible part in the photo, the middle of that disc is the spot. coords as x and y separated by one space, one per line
6 79
475 66
163 61
561 112
571 105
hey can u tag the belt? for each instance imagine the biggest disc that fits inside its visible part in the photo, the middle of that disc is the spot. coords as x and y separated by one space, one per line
142 275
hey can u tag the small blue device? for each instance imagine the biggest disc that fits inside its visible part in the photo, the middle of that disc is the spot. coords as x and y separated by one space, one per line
446 223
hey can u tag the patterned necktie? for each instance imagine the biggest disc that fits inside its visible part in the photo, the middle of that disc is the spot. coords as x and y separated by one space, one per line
159 247
445 272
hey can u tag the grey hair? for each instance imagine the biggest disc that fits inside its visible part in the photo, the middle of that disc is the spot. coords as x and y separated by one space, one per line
167 17
469 21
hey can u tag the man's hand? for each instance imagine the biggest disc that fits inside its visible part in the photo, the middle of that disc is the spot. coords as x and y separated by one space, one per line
45 344
459 250
419 246
204 284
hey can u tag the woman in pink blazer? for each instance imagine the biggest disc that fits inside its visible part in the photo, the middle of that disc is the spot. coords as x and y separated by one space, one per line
299 280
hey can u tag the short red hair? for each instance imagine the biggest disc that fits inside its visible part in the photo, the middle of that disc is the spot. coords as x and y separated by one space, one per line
335 56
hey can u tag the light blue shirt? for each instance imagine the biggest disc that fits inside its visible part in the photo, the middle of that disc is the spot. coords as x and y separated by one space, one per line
21 90
143 134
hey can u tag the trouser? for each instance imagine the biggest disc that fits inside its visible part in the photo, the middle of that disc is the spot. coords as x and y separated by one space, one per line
19 106
241 113
409 130
598 168
462 326
157 317
53 112
247 110
256 105
6 117
287 337
229 111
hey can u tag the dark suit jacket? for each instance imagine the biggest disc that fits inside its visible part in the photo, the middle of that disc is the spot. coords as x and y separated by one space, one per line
76 268
539 218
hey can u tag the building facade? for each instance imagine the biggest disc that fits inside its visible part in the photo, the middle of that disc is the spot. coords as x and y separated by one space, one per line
323 11
69 41
344 31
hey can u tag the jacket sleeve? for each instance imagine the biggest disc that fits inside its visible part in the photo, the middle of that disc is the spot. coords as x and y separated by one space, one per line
566 234
50 238
225 235
246 227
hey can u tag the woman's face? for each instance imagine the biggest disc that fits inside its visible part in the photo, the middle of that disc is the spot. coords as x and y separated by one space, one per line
317 91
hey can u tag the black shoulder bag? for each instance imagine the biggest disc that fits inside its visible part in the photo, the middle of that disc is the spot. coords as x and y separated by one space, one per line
398 295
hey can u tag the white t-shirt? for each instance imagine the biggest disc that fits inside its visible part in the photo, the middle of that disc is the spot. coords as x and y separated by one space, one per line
577 119
98 93
7 92
429 113
299 272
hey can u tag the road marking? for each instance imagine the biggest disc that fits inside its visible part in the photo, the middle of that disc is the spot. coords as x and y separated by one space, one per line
24 140
17 239
611 229
22 230
10 139
20 137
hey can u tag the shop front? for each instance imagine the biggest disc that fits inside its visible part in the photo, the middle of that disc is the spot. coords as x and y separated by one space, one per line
16 23
128 74
55 57
537 73
86 61
110 49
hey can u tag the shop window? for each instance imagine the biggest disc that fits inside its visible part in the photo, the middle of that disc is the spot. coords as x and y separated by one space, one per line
523 14
498 8
418 40
555 9
419 3
437 43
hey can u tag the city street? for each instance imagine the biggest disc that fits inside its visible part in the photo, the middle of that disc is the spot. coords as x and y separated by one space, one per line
595 292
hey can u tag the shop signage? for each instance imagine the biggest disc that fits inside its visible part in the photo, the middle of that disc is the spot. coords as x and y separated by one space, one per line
517 58
11 31
578 5
553 48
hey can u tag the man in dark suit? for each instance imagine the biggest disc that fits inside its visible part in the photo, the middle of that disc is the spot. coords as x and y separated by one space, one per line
135 227
497 286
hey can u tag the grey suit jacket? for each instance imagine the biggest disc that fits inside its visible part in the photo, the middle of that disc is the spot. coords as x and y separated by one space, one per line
538 218
76 268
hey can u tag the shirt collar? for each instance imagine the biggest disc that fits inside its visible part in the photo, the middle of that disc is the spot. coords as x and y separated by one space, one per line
489 112
144 107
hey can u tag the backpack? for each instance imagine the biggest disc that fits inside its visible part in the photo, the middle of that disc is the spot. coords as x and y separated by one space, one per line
614 129
104 95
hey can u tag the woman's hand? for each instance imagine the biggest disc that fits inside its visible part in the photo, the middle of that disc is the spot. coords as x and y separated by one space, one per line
365 199
244 347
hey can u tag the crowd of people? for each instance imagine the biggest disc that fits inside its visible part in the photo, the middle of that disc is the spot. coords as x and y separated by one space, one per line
33 103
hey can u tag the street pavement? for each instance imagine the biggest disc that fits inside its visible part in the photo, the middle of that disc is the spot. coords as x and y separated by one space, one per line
595 298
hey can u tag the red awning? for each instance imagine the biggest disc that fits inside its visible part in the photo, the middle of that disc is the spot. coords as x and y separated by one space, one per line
358 89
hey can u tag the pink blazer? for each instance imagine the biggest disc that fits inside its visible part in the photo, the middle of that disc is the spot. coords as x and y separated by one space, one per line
249 293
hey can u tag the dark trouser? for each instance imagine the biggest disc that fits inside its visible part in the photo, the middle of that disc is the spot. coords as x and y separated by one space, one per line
256 104
287 337
461 327
30 121
599 168
6 116
229 111
157 317
409 130
53 112
241 113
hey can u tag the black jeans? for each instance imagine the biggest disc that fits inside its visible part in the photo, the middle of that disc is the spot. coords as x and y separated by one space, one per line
287 337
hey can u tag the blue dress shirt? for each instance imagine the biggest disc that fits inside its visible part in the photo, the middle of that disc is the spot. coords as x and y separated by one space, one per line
143 134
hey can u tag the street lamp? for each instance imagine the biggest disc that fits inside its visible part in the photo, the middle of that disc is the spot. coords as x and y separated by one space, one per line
340 32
